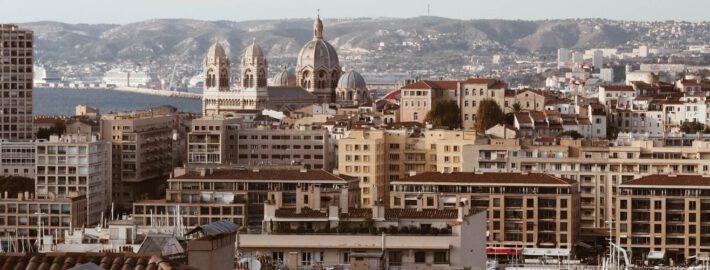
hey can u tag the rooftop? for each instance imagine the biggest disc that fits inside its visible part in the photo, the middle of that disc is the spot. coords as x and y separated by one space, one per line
670 180
485 178
266 175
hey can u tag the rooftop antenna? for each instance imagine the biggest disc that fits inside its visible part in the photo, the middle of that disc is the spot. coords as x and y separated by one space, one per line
428 10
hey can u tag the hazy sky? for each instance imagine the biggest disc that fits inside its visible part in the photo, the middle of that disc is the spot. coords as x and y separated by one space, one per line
125 11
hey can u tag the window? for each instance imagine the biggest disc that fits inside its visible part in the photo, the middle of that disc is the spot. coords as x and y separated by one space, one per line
441 257
277 256
395 258
346 257
419 257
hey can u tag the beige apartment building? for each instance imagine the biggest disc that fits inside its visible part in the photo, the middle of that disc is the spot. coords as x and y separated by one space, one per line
418 98
16 59
377 157
664 217
598 166
525 210
75 164
142 146
21 216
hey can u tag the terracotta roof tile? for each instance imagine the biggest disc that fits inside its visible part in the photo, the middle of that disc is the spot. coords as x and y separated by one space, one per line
358 213
432 85
485 178
103 260
618 87
667 180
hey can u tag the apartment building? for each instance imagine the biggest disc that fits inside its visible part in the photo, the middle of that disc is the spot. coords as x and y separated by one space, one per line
377 157
599 166
664 217
75 164
142 151
208 195
418 98
17 158
22 216
525 210
216 141
16 59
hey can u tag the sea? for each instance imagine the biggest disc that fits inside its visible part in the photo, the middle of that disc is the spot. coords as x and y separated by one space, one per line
56 101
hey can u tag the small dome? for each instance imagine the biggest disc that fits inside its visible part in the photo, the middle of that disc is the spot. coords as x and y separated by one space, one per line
284 78
318 53
352 80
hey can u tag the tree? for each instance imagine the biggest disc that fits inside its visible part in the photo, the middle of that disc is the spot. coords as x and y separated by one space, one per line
16 184
488 115
571 133
692 127
57 129
517 107
445 113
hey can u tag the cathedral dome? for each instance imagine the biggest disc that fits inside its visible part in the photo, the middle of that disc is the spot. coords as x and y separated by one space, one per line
318 53
253 54
284 78
352 80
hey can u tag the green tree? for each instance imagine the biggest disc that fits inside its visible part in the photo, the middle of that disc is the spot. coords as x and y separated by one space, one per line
445 113
57 129
571 133
692 127
16 184
488 115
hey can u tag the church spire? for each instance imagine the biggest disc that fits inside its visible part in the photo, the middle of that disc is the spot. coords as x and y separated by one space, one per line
318 27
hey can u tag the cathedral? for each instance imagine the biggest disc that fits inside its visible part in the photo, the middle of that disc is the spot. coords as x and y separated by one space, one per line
318 79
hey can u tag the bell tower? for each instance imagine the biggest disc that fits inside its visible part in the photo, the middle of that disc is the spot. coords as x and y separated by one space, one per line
216 67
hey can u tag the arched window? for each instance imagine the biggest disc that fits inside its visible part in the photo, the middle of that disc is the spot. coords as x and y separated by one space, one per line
223 78
261 81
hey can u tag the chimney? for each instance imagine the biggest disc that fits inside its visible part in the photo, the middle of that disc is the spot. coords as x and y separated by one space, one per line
19 196
412 173
255 170
316 198
420 203
344 200
299 199
27 195
203 172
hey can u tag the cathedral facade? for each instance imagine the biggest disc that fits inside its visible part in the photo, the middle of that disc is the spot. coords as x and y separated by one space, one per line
316 79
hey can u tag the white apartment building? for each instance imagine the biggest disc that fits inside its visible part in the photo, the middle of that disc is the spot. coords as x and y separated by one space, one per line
75 163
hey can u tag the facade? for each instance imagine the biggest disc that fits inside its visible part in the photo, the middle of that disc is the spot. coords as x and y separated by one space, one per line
210 195
17 158
664 214
75 164
22 216
598 166
216 141
377 157
16 81
142 150
418 98
525 210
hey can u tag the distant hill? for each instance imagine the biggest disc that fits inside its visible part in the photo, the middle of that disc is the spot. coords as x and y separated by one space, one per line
188 40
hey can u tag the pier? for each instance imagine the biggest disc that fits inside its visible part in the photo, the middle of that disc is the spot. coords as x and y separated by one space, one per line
146 91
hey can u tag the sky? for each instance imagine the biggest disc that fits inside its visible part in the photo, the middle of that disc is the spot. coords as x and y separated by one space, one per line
127 11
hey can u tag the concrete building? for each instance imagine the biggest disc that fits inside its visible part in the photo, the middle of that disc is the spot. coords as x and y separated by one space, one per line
17 158
214 246
16 81
664 217
209 195
607 75
75 164
563 57
598 59
142 151
216 141
447 238
377 157
22 216
525 210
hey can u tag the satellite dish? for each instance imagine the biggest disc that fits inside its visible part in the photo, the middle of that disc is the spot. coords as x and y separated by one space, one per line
253 264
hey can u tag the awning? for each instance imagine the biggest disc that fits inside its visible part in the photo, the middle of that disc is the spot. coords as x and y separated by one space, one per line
584 245
553 252
656 255
503 251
